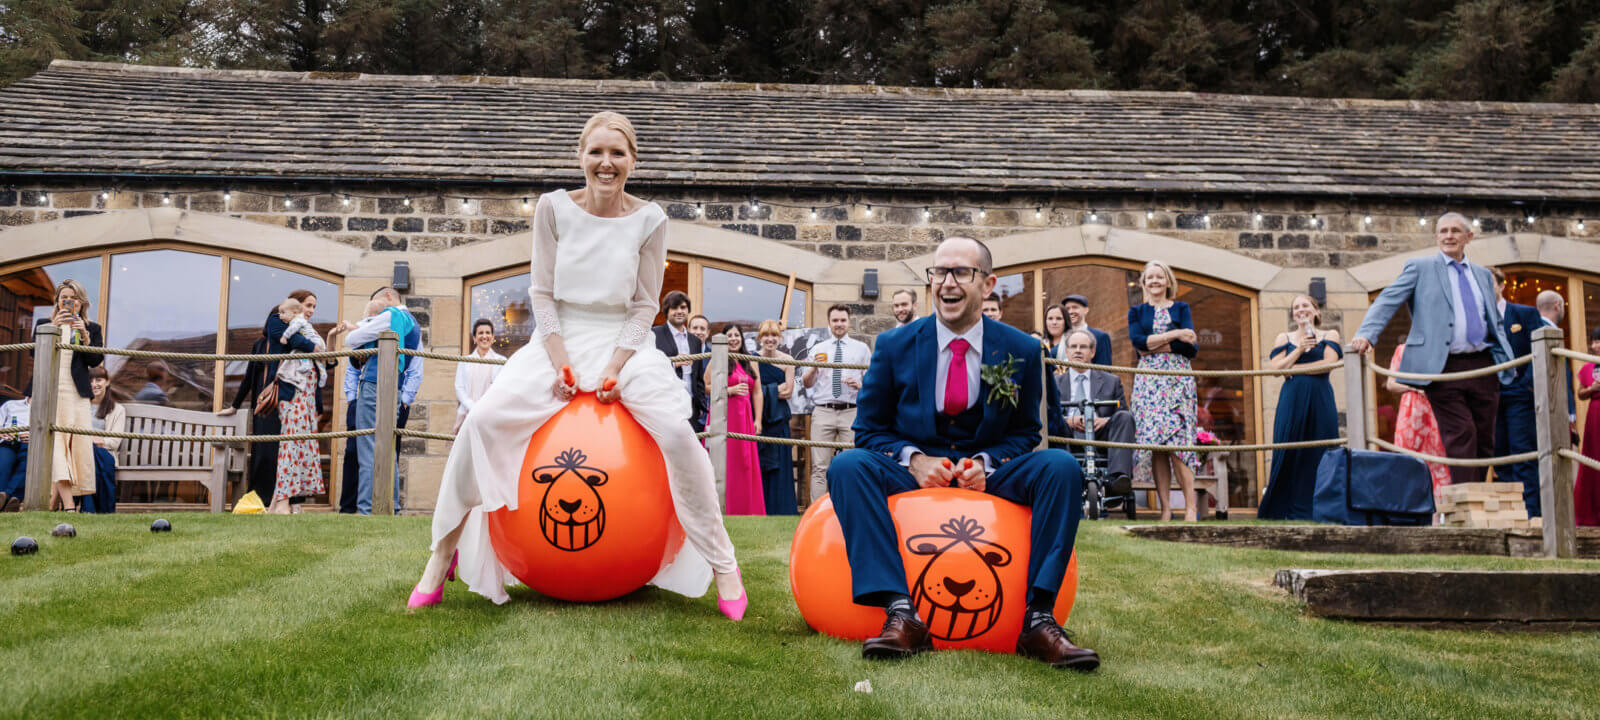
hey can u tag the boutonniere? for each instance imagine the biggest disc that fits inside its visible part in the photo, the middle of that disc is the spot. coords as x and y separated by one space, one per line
1002 387
1516 327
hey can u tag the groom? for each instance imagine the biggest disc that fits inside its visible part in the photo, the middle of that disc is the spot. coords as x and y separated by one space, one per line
924 402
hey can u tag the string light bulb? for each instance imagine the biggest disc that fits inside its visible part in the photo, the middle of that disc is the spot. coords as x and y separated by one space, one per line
1368 219
813 213
869 209
227 194
926 213
1150 214
1422 221
464 204
1580 224
166 198
982 212
1038 212
1258 217
1477 222
1316 222
1206 219
524 204
1093 215
44 197
104 195
345 201
288 202
1531 218
407 201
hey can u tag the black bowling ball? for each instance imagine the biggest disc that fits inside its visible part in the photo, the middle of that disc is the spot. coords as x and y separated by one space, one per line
160 525
24 546
64 530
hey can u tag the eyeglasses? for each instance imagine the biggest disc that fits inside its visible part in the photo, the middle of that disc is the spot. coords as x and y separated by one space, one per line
936 275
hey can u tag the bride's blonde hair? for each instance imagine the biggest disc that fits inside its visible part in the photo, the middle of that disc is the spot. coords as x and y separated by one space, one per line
614 120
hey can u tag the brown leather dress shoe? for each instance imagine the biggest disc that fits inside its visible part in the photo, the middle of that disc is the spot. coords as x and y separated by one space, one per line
901 637
1050 644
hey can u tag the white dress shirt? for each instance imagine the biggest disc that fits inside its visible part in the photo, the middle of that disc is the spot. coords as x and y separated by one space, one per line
944 336
855 353
681 339
1458 335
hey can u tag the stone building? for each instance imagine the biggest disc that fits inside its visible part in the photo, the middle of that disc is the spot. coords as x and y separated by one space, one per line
169 191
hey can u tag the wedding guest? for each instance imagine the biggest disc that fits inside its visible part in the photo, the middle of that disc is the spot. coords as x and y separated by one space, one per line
473 379
1306 411
1077 309
1055 332
1163 335
1514 431
155 374
1455 327
596 323
700 327
835 394
1114 423
743 469
1415 427
108 415
777 384
904 305
299 471
1586 490
674 338
1552 309
991 307
14 452
72 463
395 316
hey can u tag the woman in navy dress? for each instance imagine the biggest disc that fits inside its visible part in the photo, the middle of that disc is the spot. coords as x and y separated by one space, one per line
777 461
1305 412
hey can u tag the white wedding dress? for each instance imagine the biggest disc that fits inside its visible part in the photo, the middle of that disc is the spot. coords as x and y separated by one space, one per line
595 282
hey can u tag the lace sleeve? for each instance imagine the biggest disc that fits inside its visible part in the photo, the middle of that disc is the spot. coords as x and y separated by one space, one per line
646 291
541 294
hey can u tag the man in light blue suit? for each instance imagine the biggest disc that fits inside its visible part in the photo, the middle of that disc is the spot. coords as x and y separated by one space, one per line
1455 327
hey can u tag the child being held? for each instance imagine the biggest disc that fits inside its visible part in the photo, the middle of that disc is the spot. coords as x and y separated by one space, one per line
304 375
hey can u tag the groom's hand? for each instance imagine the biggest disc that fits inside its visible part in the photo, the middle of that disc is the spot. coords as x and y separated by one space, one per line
971 475
930 471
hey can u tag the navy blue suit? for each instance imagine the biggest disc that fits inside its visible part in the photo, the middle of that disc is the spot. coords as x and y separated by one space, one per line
1515 428
1102 348
896 409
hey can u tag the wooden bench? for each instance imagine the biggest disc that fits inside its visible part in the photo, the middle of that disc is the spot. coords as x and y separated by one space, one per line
1212 479
209 464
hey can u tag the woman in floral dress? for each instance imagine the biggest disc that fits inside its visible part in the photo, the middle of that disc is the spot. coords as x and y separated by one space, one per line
1415 427
1164 406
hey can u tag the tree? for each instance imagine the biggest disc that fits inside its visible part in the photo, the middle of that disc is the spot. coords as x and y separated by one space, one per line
1579 80
1006 43
1486 50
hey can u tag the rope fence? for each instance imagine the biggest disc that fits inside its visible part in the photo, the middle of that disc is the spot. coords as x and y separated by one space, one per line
1581 459
1252 447
445 356
1452 377
796 363
1313 369
1455 462
14 347
210 438
1575 355
402 432
225 357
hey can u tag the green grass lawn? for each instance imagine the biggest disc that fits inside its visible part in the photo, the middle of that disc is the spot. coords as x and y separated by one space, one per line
304 616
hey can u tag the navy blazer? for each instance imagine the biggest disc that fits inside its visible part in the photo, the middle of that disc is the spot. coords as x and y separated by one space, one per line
1520 321
895 407
1141 325
697 369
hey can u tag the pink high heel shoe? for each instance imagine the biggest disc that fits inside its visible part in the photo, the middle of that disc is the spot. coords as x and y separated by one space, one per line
735 608
421 599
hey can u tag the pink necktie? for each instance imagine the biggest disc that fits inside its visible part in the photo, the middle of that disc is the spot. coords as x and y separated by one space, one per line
955 381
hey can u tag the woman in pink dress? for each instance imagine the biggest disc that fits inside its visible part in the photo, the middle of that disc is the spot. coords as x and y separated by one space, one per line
1415 427
745 493
1586 491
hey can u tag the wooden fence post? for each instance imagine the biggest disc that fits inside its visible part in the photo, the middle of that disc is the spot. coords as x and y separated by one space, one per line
383 460
1355 399
717 422
1555 472
42 413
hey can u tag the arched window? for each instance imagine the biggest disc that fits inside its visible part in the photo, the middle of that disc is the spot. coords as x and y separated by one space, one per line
723 292
167 297
1225 318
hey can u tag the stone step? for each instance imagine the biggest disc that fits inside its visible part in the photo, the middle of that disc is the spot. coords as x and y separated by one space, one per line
1566 598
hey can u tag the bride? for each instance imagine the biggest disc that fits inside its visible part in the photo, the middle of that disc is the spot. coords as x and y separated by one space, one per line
598 255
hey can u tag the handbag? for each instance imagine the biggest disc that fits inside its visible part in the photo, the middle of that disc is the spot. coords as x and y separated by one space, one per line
267 400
